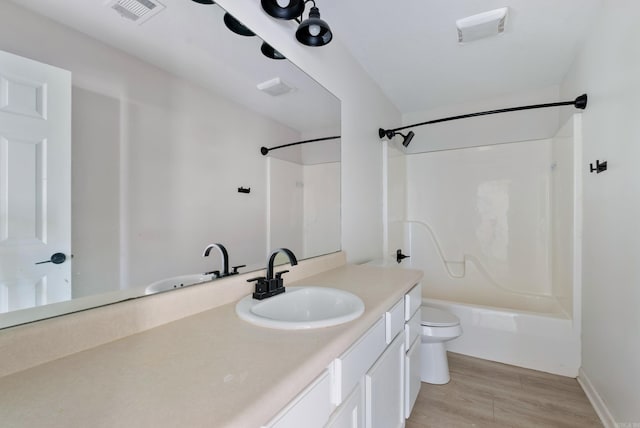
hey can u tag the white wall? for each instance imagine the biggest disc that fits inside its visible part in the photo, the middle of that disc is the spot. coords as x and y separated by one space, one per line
364 110
607 69
158 159
95 193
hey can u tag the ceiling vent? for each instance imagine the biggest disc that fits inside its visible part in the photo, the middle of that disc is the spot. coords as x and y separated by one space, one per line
482 25
138 11
275 87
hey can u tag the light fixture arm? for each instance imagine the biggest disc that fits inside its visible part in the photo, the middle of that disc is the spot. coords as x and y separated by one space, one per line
299 18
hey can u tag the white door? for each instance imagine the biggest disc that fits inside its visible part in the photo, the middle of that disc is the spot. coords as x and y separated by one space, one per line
35 183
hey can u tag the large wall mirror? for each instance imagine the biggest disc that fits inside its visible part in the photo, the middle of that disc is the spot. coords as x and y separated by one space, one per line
166 125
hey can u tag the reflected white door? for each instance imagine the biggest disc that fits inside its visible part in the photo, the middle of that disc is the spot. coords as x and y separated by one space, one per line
35 182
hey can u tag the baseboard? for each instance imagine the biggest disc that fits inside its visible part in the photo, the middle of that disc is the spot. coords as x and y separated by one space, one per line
596 401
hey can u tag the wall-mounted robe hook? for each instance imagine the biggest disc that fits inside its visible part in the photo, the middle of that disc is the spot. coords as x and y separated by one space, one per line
243 190
600 167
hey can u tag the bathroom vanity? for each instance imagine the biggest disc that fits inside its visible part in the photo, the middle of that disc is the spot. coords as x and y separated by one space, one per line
374 383
213 369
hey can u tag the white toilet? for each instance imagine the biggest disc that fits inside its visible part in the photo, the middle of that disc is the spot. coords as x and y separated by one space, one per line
438 327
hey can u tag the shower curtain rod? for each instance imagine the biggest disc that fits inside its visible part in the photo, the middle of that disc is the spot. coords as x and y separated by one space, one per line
265 150
580 102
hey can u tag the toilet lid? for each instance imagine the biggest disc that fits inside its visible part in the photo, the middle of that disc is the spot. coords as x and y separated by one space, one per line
438 318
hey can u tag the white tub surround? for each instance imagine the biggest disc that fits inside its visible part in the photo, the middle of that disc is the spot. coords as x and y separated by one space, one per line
209 369
497 231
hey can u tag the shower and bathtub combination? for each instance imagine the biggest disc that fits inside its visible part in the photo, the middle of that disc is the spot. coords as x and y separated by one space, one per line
496 231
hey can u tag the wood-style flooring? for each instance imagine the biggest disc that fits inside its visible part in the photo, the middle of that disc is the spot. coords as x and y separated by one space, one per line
487 394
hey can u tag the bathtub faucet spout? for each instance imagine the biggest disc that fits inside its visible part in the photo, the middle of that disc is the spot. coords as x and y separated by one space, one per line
400 256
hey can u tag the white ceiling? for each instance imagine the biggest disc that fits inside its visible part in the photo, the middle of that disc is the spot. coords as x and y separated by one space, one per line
410 47
190 40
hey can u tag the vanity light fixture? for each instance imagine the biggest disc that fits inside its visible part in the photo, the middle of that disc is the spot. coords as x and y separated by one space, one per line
283 9
270 52
313 31
236 26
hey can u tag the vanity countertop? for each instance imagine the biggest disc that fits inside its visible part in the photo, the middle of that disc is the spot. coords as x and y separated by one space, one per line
210 369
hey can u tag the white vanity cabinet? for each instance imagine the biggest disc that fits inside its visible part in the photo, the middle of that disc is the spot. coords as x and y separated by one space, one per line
412 328
372 384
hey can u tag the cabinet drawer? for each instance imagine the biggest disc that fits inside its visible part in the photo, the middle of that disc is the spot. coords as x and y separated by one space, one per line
309 409
394 321
352 365
412 330
413 301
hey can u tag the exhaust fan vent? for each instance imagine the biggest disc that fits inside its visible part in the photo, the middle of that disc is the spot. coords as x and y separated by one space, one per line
138 11
482 25
275 87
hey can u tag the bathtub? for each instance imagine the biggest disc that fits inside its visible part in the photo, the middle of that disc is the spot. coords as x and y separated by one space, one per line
528 331
547 342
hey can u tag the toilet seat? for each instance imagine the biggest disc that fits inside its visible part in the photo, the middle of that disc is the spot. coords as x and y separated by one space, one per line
433 317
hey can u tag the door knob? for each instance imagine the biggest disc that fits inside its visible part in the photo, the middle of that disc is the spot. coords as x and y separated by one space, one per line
56 259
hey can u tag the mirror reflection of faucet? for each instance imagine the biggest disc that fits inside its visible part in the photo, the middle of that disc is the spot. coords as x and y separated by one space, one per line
225 262
272 285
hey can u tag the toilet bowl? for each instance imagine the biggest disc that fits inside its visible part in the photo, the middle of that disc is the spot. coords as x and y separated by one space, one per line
437 327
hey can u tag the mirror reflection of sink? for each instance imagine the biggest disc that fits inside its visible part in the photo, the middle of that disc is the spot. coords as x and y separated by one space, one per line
302 308
176 282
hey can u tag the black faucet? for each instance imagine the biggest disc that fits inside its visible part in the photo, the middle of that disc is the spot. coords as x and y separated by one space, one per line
225 261
270 286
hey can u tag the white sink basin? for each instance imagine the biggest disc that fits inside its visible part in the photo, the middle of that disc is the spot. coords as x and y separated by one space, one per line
176 282
302 308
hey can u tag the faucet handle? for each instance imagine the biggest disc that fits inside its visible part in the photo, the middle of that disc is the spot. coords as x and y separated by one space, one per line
215 273
262 287
279 274
235 268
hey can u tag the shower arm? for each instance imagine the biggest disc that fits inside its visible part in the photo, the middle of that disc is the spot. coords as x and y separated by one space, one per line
580 103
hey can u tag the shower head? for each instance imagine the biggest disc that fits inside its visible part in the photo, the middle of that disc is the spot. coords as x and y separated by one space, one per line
407 138
389 133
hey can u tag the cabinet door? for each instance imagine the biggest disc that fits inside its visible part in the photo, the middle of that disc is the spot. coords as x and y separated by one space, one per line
310 409
349 414
384 388
412 380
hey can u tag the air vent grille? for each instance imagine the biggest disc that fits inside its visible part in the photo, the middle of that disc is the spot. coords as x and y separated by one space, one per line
275 87
138 11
